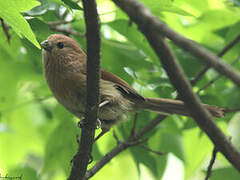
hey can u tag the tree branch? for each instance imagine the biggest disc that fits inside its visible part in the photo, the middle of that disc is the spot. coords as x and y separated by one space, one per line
130 141
216 78
81 159
65 31
134 124
203 55
220 54
5 30
231 110
146 19
210 166
150 27
152 151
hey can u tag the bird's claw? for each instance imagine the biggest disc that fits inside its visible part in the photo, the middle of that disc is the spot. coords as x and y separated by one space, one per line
99 124
82 123
90 160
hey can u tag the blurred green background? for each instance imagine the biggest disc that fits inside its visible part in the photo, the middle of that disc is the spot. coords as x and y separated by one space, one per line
38 136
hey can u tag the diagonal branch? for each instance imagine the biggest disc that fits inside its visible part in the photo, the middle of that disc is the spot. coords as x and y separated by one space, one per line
150 26
5 30
152 151
210 166
220 54
216 78
202 54
145 18
81 159
130 141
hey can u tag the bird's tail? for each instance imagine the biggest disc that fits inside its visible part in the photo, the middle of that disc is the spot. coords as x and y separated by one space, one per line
175 107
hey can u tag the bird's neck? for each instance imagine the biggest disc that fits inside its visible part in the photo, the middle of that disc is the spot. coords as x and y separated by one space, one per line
58 69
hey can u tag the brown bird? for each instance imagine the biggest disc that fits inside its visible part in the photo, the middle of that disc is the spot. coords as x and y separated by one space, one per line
64 64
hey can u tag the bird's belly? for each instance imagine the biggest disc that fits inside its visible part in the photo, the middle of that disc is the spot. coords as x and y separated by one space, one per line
111 112
76 105
72 102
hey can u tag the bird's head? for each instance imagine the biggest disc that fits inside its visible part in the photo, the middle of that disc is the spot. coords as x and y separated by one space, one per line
59 47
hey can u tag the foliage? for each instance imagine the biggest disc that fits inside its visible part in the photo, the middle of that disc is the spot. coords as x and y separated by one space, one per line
38 136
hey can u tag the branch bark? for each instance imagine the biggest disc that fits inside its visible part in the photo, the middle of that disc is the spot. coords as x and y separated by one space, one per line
124 145
137 12
81 159
220 54
153 29
216 78
210 166
5 30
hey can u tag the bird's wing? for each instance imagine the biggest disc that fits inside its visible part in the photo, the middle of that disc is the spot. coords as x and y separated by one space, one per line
121 85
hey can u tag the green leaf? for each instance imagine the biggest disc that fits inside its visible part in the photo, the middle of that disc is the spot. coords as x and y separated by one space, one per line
196 149
172 143
189 63
232 34
69 3
235 2
194 7
169 139
232 100
118 56
157 7
41 30
134 36
233 130
225 173
142 156
10 13
61 146
45 7
23 128
221 18
72 4
23 5
27 173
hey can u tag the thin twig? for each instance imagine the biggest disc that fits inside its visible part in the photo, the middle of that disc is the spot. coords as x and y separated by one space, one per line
220 54
116 137
231 110
136 141
152 23
59 22
216 78
124 145
65 31
152 151
229 46
202 54
81 159
134 124
153 30
5 30
210 166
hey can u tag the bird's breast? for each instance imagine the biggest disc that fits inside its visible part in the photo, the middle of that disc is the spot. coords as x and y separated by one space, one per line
72 95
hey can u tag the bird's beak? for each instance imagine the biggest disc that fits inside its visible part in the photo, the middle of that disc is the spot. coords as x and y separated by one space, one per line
46 45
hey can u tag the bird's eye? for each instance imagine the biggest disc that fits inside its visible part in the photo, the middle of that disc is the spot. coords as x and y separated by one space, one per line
60 45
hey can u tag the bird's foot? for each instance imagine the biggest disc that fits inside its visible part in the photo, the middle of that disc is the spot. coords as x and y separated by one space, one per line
83 123
90 160
99 124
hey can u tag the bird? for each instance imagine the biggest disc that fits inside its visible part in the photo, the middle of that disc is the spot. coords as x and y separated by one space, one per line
64 67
